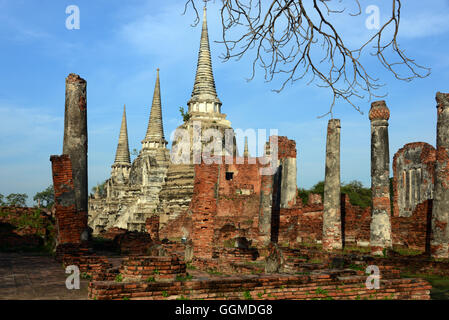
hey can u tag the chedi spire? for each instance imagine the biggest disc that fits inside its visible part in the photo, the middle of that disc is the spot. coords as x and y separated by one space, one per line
204 95
122 155
155 131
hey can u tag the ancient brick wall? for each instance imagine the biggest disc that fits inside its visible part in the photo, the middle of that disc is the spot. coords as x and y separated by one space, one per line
238 203
310 223
286 147
413 232
179 227
134 243
70 224
413 177
152 226
152 268
355 223
24 228
204 208
324 286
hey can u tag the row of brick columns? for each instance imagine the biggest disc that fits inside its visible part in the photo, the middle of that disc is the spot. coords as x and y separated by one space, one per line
380 234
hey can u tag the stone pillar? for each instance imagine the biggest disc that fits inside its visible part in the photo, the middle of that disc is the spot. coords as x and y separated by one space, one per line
265 209
380 237
75 136
332 210
439 244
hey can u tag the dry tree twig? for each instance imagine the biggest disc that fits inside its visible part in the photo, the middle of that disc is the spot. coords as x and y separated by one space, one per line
284 36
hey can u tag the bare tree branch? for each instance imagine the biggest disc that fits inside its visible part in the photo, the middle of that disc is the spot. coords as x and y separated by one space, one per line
286 38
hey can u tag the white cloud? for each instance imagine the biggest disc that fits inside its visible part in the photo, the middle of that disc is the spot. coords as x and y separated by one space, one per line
424 24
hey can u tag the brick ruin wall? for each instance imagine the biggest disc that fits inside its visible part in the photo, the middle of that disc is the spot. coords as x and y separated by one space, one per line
323 285
236 203
413 177
70 223
20 228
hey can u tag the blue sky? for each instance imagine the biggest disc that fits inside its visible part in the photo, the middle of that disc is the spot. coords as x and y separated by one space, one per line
119 46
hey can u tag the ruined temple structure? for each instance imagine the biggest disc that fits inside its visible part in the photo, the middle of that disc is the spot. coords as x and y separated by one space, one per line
243 214
152 184
232 205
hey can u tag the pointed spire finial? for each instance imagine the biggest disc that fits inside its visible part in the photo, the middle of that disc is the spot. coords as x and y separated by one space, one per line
122 155
155 130
204 86
246 151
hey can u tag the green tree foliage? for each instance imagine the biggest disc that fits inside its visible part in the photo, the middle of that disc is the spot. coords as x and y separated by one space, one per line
185 115
358 195
101 189
16 200
46 198
2 203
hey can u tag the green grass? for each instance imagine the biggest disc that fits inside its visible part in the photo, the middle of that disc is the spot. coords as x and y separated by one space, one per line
320 291
247 295
230 243
190 266
182 279
119 278
316 261
440 284
350 249
151 279
165 294
407 252
214 272
357 267
86 276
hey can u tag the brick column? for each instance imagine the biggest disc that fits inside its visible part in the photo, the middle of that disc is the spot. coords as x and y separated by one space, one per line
70 224
440 210
204 208
70 169
380 237
75 136
332 210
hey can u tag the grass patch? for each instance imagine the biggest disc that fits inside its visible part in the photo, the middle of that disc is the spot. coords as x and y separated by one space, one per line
119 278
182 279
230 243
214 272
440 284
408 252
316 261
247 295
86 276
190 266
357 267
320 291
151 279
